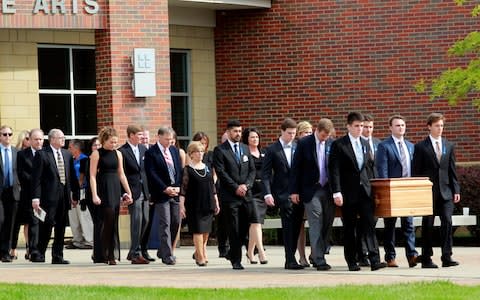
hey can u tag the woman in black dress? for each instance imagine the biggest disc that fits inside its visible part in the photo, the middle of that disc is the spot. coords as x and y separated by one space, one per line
106 179
257 207
198 200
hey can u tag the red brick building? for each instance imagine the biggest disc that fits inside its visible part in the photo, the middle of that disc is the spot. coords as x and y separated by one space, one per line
313 59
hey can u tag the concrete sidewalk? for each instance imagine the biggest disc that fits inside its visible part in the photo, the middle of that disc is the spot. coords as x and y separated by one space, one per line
219 274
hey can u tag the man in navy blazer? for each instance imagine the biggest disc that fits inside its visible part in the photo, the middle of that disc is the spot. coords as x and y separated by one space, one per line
350 168
134 167
434 157
236 172
164 174
276 174
309 185
394 160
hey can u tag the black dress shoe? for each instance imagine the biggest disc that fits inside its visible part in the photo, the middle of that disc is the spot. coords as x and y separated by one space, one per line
449 263
169 261
364 262
378 266
354 268
59 261
293 266
323 267
237 266
429 265
147 256
7 258
37 257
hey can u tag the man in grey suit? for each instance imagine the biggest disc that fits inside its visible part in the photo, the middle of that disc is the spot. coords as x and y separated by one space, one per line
133 165
9 191
310 185
236 171
434 157
394 160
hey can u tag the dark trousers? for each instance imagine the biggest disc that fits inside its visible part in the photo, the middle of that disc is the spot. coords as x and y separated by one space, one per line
359 214
8 210
139 212
148 228
408 231
169 222
292 217
58 222
444 209
237 214
221 222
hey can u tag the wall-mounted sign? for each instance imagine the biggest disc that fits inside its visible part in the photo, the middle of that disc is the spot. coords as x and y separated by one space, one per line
55 7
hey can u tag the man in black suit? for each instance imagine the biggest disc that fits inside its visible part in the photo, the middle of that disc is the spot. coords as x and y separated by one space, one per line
25 169
276 174
9 191
236 171
133 165
373 142
434 157
350 170
53 181
164 174
309 184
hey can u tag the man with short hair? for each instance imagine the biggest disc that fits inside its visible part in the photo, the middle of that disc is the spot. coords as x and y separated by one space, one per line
25 169
276 175
310 185
164 175
79 217
434 157
134 167
54 188
394 160
350 169
236 171
9 191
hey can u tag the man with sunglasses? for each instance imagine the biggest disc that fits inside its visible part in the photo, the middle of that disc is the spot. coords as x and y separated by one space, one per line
9 191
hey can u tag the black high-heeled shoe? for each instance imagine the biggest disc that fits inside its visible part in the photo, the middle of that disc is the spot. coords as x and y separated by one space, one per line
253 262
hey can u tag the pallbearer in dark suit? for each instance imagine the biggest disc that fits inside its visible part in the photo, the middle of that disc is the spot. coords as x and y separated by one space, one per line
236 171
394 160
276 175
53 181
9 191
164 174
309 184
25 169
350 170
134 168
434 158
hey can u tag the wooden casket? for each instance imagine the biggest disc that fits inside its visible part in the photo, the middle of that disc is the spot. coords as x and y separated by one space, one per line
401 197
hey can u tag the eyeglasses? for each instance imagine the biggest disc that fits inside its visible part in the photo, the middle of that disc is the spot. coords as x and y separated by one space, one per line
7 133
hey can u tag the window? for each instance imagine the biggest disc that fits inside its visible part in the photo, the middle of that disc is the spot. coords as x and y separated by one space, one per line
67 89
180 95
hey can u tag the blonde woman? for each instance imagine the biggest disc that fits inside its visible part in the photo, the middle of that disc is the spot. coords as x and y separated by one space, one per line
304 128
198 201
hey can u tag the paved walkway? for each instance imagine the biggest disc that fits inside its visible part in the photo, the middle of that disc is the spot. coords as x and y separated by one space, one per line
218 273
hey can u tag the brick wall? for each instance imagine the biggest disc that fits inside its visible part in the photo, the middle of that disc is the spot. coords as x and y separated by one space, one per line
132 24
313 59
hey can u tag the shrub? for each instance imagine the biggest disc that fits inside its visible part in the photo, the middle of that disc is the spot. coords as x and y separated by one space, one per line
469 179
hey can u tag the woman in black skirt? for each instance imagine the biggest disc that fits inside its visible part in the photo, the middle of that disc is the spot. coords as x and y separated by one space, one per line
257 207
198 200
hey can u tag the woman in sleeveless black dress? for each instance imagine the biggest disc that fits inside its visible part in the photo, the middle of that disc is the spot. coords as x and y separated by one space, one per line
106 180
198 200
257 208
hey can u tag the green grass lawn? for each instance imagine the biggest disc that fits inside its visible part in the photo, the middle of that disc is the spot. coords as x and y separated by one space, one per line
433 290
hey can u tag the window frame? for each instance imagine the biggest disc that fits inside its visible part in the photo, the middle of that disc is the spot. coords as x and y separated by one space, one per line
72 92
188 94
